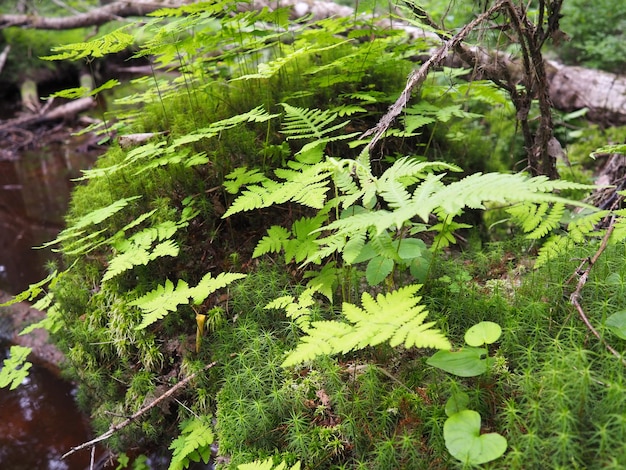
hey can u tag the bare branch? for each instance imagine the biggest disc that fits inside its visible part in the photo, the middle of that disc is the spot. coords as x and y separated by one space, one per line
583 275
113 429
95 17
417 77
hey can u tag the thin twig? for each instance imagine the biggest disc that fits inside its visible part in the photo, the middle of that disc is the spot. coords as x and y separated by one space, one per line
418 76
113 429
582 280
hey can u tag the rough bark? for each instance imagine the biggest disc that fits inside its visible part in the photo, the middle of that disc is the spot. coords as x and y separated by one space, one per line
603 93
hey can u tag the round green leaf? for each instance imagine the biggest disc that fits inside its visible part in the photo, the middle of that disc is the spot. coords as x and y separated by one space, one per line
617 324
378 269
461 433
485 332
411 248
457 402
466 362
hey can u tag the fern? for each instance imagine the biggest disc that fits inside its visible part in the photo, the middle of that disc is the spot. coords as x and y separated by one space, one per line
267 464
72 234
395 318
166 298
110 43
193 444
15 368
139 250
537 220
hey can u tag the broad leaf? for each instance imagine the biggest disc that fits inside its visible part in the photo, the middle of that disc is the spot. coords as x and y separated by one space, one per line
466 362
461 433
485 332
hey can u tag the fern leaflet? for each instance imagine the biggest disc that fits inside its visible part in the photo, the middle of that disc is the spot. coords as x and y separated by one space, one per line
15 368
396 318
165 298
193 444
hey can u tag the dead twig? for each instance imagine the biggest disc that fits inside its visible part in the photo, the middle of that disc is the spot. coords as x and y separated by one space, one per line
583 274
418 76
113 429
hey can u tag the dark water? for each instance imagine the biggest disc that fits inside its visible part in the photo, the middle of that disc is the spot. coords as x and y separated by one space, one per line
39 422
35 187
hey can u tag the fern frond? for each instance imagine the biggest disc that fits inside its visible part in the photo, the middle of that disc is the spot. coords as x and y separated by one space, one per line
554 247
193 444
15 368
303 244
299 310
242 177
273 242
303 123
396 318
269 69
164 299
92 218
267 464
584 226
537 220
110 43
254 197
209 284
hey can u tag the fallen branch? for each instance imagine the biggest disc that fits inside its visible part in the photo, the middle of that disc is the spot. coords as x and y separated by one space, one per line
3 56
94 17
583 274
113 429
63 111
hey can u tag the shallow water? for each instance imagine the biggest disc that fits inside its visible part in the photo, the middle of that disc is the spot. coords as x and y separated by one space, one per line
39 422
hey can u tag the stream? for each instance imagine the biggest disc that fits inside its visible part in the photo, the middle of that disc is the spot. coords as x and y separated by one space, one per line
39 421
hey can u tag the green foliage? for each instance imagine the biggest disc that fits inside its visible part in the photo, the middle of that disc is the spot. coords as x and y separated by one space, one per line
278 110
165 298
109 43
193 444
595 33
15 368
395 318
465 442
267 464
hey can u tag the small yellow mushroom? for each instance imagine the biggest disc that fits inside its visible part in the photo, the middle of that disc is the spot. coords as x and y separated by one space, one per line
200 321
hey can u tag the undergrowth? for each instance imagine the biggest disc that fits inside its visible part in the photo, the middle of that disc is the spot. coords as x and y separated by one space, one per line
255 229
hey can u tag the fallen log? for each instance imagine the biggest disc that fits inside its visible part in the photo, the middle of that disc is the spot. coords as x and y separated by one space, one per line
64 111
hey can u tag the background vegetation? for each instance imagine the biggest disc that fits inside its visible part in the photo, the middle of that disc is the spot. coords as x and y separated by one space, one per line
255 229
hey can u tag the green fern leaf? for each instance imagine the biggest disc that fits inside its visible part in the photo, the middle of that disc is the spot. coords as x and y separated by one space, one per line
193 444
269 69
537 220
15 368
267 464
303 123
396 318
110 43
209 284
242 177
584 226
275 240
135 256
93 218
161 301
554 247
